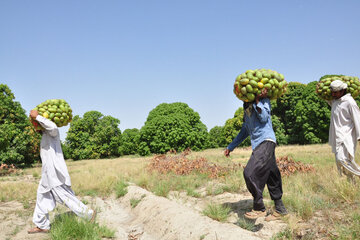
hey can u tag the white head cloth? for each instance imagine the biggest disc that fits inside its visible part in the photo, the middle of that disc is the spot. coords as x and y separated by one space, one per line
338 85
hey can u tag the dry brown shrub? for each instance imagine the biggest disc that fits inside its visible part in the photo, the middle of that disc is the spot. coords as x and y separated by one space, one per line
288 166
6 169
181 165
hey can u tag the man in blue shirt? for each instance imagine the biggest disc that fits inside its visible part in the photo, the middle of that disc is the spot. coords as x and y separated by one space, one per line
261 169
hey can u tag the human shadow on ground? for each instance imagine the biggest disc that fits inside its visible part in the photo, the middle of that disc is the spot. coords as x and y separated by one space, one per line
240 208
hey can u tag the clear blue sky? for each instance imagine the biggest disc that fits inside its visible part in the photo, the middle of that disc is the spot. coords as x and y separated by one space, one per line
123 58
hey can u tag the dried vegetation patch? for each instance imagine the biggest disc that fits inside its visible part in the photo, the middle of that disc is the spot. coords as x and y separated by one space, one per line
182 165
6 169
288 166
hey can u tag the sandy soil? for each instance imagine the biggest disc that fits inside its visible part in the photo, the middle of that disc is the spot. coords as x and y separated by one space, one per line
178 217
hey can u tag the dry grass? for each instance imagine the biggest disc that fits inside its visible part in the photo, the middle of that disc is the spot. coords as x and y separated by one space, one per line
312 198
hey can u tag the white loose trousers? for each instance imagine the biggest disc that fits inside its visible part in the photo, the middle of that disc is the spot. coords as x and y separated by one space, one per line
46 201
345 160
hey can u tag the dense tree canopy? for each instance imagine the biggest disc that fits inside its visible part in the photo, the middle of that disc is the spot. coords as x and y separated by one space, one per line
217 137
93 136
19 143
173 126
130 140
305 116
298 117
284 109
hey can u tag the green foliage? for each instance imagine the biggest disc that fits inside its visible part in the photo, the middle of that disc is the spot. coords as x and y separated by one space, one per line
281 137
305 117
19 143
66 150
283 108
313 117
173 126
130 141
93 136
68 227
217 137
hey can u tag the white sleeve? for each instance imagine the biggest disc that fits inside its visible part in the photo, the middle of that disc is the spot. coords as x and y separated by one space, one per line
48 125
355 112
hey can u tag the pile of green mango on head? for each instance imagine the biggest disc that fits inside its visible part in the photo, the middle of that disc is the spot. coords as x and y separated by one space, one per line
250 83
57 110
323 86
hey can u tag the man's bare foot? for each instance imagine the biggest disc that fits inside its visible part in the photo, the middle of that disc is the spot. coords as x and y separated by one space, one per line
37 230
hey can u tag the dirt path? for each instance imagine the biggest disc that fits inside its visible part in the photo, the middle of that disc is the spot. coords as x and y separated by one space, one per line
178 217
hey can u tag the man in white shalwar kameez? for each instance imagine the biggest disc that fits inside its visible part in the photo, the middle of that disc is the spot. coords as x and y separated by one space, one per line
55 184
344 129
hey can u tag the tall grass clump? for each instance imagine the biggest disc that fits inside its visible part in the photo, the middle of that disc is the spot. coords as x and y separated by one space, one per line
217 212
121 188
69 227
246 224
283 235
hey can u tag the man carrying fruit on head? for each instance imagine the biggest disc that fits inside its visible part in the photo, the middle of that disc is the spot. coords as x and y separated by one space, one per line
261 168
344 129
55 184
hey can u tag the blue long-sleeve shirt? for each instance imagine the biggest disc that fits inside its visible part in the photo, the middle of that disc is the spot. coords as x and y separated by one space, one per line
258 126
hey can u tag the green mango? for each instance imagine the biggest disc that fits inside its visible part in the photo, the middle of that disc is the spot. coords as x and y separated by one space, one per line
243 90
281 77
275 92
258 74
250 96
276 83
249 75
253 83
238 77
244 81
267 86
264 80
249 88
327 83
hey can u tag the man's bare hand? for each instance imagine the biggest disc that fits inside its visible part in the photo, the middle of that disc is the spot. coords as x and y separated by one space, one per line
263 94
33 114
227 152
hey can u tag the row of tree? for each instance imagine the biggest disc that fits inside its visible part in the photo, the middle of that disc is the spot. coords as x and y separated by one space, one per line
298 117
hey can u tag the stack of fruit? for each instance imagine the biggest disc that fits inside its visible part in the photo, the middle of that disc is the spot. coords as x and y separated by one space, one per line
251 83
323 86
56 110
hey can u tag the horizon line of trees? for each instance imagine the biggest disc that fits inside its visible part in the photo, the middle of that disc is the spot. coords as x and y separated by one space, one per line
298 117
